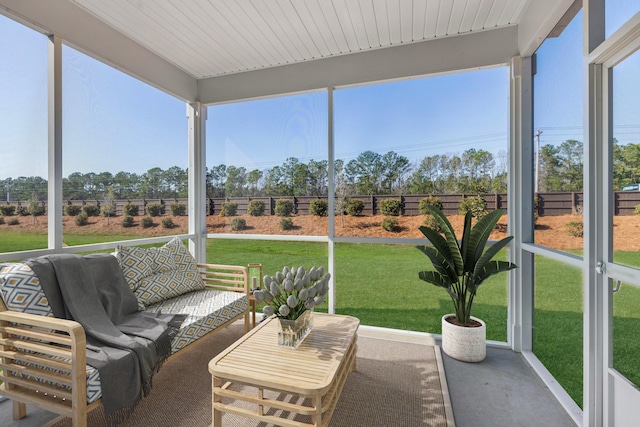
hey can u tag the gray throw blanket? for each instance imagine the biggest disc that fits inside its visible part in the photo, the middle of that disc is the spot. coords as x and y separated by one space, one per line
125 345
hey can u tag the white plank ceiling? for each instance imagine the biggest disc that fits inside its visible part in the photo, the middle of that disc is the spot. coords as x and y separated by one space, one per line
207 38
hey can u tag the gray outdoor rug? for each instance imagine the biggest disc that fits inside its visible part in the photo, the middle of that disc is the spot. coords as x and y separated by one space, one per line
396 384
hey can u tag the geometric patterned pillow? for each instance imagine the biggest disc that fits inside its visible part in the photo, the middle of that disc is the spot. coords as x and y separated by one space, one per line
136 263
162 260
183 259
21 290
162 286
152 274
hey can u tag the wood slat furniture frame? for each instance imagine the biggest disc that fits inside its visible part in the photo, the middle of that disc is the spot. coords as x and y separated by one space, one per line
317 369
23 334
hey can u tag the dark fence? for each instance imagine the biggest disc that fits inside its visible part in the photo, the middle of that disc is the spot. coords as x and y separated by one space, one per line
548 204
410 203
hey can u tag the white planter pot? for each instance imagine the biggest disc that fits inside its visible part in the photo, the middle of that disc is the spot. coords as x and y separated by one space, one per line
464 343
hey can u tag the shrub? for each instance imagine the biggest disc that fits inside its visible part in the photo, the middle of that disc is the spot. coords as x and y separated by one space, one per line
167 223
286 224
477 205
341 205
146 222
229 209
127 221
355 207
154 209
108 209
130 209
82 219
429 201
36 210
255 208
13 221
575 228
7 210
391 207
72 210
284 207
390 224
238 224
637 210
22 211
178 209
1 220
431 222
318 207
91 210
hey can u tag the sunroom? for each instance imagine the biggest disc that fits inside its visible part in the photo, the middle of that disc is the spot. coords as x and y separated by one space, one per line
181 102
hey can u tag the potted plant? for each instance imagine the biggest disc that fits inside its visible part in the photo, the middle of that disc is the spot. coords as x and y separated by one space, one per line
460 268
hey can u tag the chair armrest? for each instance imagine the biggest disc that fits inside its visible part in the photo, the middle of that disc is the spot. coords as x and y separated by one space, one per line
43 360
225 277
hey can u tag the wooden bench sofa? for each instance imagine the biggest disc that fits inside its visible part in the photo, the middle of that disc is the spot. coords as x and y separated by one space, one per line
43 359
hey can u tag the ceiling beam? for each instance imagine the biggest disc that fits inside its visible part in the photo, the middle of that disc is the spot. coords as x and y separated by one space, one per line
540 19
461 52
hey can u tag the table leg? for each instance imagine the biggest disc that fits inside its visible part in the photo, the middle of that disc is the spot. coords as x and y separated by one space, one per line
253 317
316 418
253 303
19 410
216 415
353 366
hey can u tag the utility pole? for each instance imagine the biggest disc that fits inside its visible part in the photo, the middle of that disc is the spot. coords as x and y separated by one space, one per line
537 172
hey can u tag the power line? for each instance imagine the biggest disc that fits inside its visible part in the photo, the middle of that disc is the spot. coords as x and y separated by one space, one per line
537 171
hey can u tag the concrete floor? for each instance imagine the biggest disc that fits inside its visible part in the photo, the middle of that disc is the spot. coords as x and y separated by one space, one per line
501 391
35 417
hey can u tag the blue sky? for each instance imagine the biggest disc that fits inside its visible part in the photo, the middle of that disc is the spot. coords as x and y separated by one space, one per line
111 122
559 64
415 118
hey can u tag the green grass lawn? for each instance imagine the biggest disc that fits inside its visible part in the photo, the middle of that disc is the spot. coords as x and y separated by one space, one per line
557 331
626 323
379 284
15 241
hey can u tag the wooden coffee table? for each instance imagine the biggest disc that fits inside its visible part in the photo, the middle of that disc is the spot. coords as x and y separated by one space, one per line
315 371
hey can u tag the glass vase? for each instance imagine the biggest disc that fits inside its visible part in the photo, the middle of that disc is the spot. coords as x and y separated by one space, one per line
292 332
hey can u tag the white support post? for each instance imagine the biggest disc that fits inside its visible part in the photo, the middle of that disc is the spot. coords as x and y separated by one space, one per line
54 195
521 225
604 283
595 210
593 280
197 116
331 202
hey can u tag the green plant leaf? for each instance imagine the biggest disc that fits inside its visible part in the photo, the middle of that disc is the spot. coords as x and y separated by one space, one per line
478 238
450 237
492 267
434 278
440 263
491 252
436 240
438 280
466 253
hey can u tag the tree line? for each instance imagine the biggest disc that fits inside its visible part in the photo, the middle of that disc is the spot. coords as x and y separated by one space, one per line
370 173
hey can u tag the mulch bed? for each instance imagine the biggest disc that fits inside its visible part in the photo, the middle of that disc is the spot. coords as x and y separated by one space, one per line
550 231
